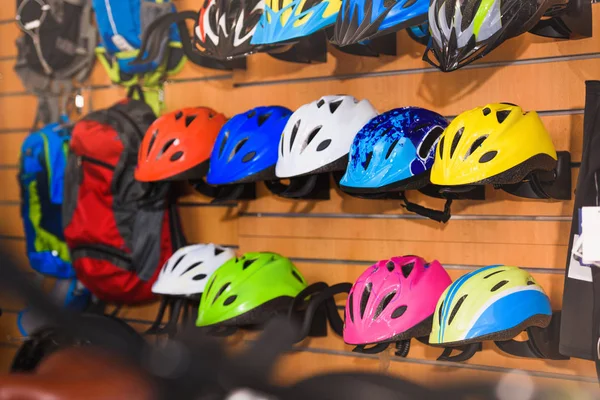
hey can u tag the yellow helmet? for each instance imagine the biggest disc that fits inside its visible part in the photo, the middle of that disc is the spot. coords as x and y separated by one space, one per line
497 144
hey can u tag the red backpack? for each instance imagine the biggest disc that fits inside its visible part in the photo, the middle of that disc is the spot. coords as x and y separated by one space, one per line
119 231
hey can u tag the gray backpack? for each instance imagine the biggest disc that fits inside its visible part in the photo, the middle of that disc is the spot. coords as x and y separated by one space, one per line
55 52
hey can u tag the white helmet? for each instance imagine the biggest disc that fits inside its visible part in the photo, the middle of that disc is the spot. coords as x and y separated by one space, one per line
321 133
189 268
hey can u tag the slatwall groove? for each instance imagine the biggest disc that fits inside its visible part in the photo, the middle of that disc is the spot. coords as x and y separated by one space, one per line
538 218
418 71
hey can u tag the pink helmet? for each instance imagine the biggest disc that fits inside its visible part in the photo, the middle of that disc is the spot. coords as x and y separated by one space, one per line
394 300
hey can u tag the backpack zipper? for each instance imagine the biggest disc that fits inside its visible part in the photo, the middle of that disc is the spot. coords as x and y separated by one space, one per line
94 161
113 252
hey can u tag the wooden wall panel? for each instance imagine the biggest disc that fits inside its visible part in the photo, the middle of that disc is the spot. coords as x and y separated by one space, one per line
337 239
8 11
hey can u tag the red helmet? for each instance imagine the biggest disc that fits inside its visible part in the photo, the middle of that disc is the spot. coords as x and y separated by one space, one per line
177 146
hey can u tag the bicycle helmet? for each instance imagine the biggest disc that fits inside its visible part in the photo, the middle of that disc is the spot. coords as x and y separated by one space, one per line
250 290
186 272
290 20
224 28
492 303
394 151
246 148
394 300
496 144
464 31
360 20
318 136
177 145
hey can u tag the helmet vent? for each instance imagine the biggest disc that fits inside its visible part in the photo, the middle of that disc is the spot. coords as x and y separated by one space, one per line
281 144
210 284
324 144
390 3
218 251
530 282
294 133
178 115
486 111
502 115
440 312
364 299
177 262
298 277
166 147
191 267
220 292
441 147
249 157
398 312
492 274
229 300
189 119
427 266
429 140
251 114
199 277
456 308
312 135
320 103
263 118
384 303
237 148
247 263
456 140
164 268
152 140
176 156
368 160
487 157
499 285
476 144
390 266
351 307
391 149
334 105
407 269
223 142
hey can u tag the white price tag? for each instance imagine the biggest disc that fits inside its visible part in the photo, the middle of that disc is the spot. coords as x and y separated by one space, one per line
590 227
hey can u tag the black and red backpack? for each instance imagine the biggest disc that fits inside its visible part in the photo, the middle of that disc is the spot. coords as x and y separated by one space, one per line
119 231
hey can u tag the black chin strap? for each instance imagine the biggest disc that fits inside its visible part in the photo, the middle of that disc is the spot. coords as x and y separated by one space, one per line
542 342
436 215
466 352
204 188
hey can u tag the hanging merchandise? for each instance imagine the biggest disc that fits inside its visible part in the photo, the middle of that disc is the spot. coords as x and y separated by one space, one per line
497 302
55 52
501 145
41 175
249 291
394 152
182 280
287 21
114 253
360 20
420 33
393 301
580 333
177 146
316 140
462 33
246 150
121 24
571 22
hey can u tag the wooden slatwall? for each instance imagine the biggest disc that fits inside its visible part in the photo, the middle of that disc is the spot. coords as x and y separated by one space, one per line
336 240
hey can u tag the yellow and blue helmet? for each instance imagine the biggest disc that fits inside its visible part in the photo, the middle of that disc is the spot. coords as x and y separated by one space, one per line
289 20
492 303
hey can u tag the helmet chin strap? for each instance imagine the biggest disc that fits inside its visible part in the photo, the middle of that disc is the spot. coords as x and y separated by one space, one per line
466 352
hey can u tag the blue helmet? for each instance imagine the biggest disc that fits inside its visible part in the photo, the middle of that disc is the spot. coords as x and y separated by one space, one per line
290 20
394 151
246 147
360 20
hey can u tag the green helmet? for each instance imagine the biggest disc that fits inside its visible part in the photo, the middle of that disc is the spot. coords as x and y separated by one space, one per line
249 290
